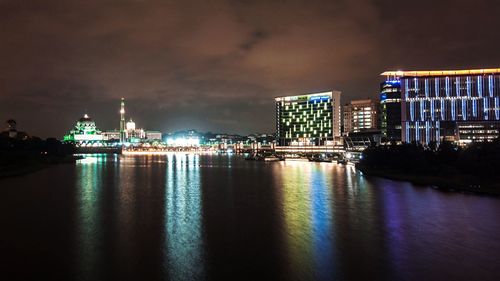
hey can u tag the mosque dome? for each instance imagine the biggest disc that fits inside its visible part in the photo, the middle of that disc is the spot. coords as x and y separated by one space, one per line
130 125
85 130
85 121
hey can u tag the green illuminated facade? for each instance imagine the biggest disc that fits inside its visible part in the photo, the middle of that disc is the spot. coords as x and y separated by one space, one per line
84 131
312 119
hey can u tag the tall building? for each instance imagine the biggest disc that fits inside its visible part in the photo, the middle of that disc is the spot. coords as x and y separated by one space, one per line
454 105
360 115
310 119
123 134
390 110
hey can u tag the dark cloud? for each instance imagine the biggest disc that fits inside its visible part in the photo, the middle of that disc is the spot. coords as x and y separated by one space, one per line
216 65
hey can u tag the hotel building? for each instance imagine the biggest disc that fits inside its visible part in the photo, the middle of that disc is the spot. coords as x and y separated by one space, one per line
455 105
308 120
360 115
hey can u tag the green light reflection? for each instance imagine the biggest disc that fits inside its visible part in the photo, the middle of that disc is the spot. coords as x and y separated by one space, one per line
88 186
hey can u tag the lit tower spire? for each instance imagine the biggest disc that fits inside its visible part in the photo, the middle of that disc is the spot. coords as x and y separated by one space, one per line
122 121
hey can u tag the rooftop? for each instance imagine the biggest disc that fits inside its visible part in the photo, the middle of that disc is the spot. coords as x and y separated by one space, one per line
329 93
424 73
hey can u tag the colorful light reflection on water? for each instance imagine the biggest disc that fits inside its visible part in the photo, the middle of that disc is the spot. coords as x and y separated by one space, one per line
196 217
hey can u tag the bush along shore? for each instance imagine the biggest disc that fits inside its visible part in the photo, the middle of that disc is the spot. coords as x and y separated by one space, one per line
474 168
22 156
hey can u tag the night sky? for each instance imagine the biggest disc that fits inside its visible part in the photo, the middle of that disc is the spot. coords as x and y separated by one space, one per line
217 65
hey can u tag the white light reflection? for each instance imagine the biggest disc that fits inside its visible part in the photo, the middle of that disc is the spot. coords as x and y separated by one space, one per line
183 229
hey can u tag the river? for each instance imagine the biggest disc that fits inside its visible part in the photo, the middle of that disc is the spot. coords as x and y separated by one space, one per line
219 217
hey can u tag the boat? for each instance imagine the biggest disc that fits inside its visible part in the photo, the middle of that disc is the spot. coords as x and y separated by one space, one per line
268 157
251 156
271 159
295 157
342 161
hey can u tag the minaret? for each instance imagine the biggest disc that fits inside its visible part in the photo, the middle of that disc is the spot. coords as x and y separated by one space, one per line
122 121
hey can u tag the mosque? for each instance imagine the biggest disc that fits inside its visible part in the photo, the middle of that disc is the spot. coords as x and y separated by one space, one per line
85 133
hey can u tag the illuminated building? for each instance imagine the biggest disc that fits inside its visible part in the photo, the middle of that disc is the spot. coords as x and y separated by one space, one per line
85 131
129 133
189 138
153 135
360 115
310 119
455 105
113 135
390 110
132 134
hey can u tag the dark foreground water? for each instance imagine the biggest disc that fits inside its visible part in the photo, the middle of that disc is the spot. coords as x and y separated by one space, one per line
190 217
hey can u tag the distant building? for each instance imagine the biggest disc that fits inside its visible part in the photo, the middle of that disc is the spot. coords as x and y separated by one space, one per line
85 131
188 138
390 110
360 115
132 134
310 119
113 135
129 133
455 105
12 132
153 135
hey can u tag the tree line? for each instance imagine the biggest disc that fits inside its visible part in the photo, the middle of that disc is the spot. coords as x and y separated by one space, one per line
446 159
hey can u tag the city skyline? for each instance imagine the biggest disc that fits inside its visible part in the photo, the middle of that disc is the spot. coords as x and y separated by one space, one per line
218 66
249 140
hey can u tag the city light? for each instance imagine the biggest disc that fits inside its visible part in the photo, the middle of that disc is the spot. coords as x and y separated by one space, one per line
183 141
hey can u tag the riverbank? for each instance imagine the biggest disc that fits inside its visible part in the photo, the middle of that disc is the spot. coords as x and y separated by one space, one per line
460 183
31 165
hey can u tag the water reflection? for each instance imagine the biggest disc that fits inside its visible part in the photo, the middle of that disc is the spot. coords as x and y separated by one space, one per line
322 220
88 185
183 238
306 195
148 218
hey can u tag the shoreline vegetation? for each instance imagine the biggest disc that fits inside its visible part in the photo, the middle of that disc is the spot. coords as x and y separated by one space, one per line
447 167
23 156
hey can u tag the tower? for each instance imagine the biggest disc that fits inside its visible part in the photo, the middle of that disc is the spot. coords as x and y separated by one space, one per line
122 121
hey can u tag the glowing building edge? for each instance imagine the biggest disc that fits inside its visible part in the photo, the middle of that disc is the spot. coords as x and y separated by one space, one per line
442 105
425 73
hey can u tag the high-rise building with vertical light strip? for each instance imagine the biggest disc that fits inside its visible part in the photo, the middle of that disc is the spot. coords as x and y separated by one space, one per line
390 110
309 119
455 105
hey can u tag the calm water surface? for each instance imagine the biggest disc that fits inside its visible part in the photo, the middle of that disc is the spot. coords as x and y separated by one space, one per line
199 217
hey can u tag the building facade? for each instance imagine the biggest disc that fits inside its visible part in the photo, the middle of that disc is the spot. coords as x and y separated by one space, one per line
457 105
153 135
113 135
390 110
360 115
310 119
85 131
